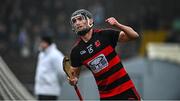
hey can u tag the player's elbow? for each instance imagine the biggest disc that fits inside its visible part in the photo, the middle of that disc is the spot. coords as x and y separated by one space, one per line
136 35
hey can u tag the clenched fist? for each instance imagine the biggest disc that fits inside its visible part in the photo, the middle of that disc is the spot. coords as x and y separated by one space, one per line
112 21
72 81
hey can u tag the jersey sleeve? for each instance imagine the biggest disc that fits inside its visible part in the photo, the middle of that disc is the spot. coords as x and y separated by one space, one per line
75 58
112 35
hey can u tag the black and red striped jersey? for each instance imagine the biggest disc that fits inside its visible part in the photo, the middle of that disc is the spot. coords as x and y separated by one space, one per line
99 55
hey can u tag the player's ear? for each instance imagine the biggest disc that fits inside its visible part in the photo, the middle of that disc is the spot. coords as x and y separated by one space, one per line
91 22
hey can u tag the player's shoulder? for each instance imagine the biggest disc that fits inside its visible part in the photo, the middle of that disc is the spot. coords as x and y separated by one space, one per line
76 43
97 30
109 30
105 30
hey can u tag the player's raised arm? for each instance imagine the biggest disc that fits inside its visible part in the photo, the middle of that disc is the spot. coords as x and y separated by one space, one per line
126 34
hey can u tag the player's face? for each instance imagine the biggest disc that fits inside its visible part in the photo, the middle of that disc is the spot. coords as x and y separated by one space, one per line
79 23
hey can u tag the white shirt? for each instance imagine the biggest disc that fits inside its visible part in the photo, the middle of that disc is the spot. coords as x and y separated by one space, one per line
49 76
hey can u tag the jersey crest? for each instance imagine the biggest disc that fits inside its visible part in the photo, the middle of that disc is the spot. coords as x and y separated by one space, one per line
99 63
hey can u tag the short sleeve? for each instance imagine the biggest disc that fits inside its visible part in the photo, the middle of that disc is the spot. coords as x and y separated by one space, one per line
75 58
112 35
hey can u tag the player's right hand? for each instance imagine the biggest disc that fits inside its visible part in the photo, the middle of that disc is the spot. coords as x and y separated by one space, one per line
72 81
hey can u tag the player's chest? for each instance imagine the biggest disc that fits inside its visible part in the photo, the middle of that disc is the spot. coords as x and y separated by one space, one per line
94 54
92 47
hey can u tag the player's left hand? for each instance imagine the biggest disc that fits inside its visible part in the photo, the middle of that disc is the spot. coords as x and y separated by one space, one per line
112 21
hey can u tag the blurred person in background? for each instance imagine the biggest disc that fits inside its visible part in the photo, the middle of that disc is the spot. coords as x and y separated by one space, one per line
49 76
95 49
98 11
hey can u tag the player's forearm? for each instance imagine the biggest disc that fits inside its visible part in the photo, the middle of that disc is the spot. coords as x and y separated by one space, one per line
127 30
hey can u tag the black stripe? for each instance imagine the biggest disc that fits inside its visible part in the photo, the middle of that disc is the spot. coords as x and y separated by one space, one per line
111 56
114 84
110 72
124 96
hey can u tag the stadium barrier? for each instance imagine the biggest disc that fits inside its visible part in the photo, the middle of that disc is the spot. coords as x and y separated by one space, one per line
164 51
151 36
10 87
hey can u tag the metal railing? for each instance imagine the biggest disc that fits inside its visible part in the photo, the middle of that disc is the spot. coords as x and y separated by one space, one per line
10 87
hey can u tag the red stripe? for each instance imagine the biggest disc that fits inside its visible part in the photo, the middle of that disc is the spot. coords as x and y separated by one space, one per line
118 90
113 62
119 74
106 51
136 93
97 30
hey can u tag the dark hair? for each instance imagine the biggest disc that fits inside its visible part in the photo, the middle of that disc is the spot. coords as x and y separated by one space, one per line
48 39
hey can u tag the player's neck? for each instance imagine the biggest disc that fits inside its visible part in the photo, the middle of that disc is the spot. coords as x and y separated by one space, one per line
87 36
